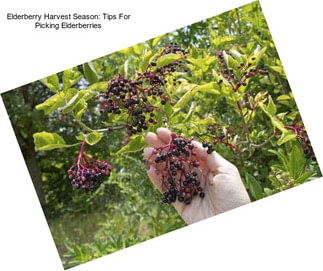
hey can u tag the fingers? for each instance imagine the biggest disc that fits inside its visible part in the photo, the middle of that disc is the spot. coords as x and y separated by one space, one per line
153 140
162 137
214 161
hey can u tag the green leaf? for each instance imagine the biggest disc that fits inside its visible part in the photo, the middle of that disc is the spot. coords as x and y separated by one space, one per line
51 82
212 88
185 99
99 86
230 61
279 70
168 110
138 48
219 40
282 157
304 177
270 109
84 94
297 162
268 191
202 63
254 187
51 104
71 77
145 61
257 55
80 109
90 73
137 143
283 97
156 40
80 136
285 137
45 141
94 138
167 59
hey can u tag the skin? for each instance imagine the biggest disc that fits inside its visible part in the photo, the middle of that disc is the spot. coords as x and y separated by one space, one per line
220 180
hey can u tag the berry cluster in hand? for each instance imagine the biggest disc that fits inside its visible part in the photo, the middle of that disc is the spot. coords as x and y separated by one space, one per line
229 75
87 173
299 129
137 96
179 169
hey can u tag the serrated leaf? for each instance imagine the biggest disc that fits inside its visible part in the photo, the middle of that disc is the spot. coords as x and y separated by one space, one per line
136 143
45 141
90 73
297 162
51 82
52 103
94 138
71 77
167 59
254 187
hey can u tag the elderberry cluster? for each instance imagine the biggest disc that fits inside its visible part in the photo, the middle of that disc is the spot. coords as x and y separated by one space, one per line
229 75
125 94
179 170
136 96
87 173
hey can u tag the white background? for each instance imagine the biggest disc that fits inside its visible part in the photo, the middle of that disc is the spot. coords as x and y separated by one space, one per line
282 232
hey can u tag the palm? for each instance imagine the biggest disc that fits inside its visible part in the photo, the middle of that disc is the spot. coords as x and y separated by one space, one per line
219 179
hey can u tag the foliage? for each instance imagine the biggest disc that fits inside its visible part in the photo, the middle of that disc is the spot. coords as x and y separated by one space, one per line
232 93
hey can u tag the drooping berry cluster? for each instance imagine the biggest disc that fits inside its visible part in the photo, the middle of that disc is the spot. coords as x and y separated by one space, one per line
299 129
179 170
228 74
87 173
137 96
125 94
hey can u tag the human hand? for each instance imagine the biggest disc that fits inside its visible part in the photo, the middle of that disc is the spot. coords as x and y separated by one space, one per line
220 180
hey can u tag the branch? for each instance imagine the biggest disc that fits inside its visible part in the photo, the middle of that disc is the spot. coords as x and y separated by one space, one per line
265 142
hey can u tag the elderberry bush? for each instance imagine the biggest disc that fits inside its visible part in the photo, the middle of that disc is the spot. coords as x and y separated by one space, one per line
179 169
